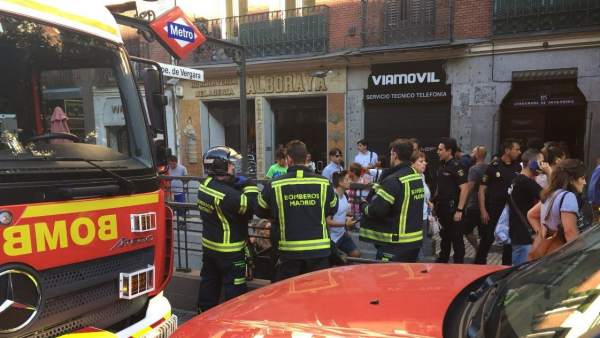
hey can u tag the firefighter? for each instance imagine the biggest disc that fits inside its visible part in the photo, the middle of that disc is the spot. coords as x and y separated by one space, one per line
298 203
226 206
394 215
450 200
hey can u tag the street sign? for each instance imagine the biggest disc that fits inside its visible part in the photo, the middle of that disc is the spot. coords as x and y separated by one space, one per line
182 72
177 32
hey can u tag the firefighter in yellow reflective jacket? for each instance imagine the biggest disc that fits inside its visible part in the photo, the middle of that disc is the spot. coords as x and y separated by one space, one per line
394 214
299 202
226 205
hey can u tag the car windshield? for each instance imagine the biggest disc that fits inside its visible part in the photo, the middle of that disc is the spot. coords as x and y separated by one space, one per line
555 297
66 95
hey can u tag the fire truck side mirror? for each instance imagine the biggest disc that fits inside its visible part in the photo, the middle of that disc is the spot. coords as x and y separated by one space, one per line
155 99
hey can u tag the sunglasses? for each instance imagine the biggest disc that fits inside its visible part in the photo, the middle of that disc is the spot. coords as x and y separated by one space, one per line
338 155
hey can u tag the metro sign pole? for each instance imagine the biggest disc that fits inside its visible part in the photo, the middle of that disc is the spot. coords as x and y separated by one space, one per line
179 36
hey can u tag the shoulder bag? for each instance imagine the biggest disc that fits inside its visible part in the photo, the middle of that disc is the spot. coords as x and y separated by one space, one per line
545 244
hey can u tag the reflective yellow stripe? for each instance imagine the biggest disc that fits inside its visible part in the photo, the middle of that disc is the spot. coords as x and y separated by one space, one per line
89 205
243 204
250 189
305 180
387 237
323 220
279 200
299 174
224 222
411 177
211 192
43 8
314 244
334 201
223 247
404 210
262 203
387 197
239 281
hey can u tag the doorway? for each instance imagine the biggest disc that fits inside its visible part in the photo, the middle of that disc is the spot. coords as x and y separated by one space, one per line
303 119
548 110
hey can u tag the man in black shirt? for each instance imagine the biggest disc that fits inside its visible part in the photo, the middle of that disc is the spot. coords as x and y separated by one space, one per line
525 194
493 193
450 199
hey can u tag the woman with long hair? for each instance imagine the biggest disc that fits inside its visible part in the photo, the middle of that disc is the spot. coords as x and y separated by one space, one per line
556 213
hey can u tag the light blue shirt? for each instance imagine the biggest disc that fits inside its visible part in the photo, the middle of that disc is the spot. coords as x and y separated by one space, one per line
594 188
569 204
330 169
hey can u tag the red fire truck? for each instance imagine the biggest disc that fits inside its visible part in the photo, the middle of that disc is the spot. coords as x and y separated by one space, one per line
85 237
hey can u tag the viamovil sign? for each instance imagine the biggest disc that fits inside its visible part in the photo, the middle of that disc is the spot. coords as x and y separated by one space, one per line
408 82
177 32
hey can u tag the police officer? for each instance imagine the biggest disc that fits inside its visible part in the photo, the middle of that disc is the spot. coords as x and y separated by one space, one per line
299 203
226 206
450 199
394 215
493 195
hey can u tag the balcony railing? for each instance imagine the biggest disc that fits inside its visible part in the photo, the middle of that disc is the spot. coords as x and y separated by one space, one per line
290 32
397 22
521 16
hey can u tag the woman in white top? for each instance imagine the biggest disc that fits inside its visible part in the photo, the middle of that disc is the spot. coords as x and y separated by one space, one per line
341 221
557 212
419 163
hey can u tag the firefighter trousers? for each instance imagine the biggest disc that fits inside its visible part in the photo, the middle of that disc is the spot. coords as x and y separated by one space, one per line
287 268
221 273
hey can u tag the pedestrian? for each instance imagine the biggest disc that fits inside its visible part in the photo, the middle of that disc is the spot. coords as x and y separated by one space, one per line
450 201
419 163
493 193
472 217
225 210
553 155
280 166
176 170
554 218
380 166
366 158
394 214
594 191
465 160
335 160
298 204
358 189
343 219
524 195
310 163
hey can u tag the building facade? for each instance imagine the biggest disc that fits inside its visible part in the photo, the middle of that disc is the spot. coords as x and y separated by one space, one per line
333 72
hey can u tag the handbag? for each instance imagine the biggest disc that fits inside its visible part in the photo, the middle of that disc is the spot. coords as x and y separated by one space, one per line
545 244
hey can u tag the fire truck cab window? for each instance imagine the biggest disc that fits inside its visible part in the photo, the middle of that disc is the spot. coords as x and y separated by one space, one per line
67 96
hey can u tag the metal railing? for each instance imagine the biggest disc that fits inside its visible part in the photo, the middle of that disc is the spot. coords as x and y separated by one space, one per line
181 196
398 22
290 32
520 16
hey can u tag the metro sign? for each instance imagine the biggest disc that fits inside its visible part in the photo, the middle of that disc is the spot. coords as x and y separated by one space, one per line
177 32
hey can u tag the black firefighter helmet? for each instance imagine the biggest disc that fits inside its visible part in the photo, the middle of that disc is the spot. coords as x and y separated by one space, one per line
216 160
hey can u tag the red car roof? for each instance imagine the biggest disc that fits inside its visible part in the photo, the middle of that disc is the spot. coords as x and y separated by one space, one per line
377 300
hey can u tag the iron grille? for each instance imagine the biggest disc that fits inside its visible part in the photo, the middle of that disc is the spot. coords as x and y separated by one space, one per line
86 294
269 34
520 16
408 21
